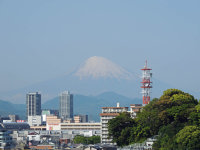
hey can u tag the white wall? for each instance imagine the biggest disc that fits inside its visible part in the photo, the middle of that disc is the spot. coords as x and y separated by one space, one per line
34 120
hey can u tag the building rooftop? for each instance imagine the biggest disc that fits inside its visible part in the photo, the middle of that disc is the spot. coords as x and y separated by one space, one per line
15 126
135 104
109 114
114 107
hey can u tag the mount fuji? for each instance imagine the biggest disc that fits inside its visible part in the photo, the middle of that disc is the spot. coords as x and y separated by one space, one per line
95 76
100 67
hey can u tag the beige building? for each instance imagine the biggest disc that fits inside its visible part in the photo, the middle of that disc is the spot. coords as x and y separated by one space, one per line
77 119
107 114
134 109
86 129
52 123
68 121
80 118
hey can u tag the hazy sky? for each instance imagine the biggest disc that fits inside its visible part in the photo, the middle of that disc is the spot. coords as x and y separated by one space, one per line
43 39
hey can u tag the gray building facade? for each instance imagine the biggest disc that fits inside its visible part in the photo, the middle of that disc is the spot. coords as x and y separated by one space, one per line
33 104
84 118
66 105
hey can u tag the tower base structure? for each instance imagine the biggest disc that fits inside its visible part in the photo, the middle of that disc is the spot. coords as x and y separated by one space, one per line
146 100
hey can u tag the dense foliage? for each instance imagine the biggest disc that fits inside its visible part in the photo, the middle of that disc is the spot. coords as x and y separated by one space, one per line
174 117
120 127
86 140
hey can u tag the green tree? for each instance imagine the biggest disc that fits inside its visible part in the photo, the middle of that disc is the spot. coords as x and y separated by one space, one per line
119 128
164 117
194 118
94 140
79 139
188 138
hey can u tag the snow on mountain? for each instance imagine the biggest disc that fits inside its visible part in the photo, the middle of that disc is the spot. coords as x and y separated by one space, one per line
97 67
96 75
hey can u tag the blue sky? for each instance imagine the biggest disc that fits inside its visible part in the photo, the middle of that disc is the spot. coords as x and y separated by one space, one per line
43 39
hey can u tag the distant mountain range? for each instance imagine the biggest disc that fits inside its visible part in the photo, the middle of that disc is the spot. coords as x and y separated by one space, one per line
90 105
96 75
8 108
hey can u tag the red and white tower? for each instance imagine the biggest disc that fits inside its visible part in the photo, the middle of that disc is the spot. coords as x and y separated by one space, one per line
146 84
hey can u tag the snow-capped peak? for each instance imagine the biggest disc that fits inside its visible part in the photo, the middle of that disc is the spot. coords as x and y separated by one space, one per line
97 67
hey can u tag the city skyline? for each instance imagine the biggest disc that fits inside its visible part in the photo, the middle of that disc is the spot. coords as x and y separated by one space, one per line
99 74
42 40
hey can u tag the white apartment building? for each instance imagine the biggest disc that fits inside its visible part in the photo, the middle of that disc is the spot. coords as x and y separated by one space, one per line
86 129
34 120
107 114
134 109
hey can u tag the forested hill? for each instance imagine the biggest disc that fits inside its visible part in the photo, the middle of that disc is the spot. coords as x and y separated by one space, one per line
174 118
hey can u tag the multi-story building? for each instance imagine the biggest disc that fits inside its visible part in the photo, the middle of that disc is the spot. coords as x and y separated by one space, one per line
107 114
77 119
80 118
134 109
33 104
35 120
81 126
48 112
66 105
5 139
13 118
53 123
19 135
86 129
15 126
5 119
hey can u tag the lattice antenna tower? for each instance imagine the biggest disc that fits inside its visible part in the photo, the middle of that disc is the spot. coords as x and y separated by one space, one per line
146 84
